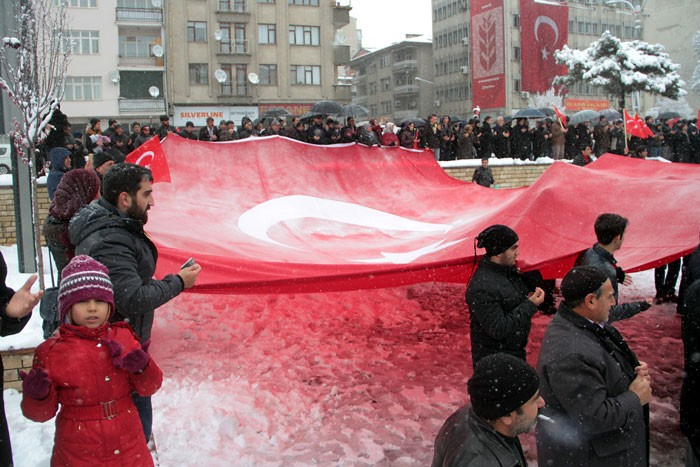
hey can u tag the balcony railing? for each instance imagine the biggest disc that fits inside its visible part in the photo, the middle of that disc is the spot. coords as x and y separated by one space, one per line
405 65
233 47
140 15
140 61
234 89
406 89
141 106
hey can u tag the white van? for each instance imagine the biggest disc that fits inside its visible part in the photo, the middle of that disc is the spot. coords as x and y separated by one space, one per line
5 161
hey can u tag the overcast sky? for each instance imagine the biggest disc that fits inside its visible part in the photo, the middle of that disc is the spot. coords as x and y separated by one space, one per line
384 22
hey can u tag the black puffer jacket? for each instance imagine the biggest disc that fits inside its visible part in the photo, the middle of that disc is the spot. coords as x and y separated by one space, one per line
119 242
499 310
600 258
466 439
690 405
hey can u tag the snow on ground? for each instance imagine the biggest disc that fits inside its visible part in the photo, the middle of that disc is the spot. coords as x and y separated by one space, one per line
348 379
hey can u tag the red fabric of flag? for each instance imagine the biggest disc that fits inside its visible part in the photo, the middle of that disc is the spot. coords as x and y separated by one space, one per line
560 115
150 154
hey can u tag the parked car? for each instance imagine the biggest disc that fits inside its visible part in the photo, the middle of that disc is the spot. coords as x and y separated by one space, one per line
5 161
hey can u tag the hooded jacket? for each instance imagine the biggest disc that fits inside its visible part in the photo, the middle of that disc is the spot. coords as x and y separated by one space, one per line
58 168
99 230
97 423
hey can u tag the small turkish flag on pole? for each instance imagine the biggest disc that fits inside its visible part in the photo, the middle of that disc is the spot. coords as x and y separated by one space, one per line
560 116
150 154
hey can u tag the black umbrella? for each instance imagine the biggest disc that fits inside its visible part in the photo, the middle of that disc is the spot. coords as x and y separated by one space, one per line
355 110
611 114
275 112
417 121
549 112
529 113
307 117
669 115
327 108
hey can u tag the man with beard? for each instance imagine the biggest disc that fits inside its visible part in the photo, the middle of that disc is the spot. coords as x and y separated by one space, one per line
110 230
505 398
501 305
596 390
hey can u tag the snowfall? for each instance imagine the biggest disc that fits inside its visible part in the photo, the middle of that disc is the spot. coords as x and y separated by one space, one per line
350 378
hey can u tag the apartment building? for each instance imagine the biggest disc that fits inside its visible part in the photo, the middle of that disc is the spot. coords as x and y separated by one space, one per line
395 82
233 58
587 19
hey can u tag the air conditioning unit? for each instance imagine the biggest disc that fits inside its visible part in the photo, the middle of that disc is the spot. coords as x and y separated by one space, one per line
437 103
465 41
464 70
525 95
397 103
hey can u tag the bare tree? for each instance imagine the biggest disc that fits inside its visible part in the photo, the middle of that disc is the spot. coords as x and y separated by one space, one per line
34 63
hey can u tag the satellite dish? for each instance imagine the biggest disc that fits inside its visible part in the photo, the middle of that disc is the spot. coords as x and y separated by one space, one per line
114 76
220 75
157 3
157 50
253 78
218 35
154 91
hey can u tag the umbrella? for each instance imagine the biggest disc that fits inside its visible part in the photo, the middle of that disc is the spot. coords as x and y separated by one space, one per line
611 114
529 113
307 117
548 111
583 116
669 115
417 121
275 112
355 110
327 108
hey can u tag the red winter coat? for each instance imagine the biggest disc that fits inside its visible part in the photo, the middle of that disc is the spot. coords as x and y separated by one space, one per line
98 423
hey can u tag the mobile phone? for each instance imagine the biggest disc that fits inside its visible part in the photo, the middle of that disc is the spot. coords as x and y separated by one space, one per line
188 263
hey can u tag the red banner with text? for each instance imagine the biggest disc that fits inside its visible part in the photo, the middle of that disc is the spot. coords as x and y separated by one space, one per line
488 54
544 28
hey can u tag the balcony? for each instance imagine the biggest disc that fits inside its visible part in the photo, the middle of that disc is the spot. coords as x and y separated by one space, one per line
405 65
341 54
343 92
406 89
140 61
139 15
229 47
141 106
341 14
232 7
239 89
360 100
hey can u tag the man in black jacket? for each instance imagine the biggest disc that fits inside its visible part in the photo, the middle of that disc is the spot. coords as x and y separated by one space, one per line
610 233
15 311
505 399
596 390
110 229
500 303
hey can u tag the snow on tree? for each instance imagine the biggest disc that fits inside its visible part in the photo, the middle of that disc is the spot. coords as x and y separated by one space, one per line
550 98
695 79
664 104
34 62
621 68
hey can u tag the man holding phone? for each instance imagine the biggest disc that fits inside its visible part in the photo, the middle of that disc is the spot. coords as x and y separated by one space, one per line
110 229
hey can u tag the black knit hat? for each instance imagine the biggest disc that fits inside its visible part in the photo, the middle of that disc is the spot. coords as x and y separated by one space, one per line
100 158
501 384
581 281
496 239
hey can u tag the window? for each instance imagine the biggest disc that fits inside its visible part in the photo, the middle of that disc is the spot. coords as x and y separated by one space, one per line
80 3
516 85
385 61
141 4
238 44
309 75
372 88
83 42
304 35
516 20
232 5
236 84
136 46
83 88
516 52
199 73
268 75
267 34
386 107
266 1
196 31
303 2
386 84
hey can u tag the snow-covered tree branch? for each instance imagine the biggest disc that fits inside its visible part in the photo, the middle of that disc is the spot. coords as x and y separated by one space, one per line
549 98
34 61
621 68
695 79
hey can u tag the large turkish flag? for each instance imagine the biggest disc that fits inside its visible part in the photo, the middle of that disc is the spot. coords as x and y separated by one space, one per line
275 215
544 28
488 54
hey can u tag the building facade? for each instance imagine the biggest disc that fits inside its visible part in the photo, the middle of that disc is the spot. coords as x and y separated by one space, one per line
231 58
395 82
587 20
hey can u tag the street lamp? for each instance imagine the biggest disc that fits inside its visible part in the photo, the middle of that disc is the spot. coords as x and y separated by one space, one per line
423 80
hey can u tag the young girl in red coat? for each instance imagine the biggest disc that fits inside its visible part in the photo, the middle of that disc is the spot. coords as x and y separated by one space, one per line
91 368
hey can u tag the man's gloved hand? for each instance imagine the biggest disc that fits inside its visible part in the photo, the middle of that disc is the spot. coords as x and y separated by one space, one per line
36 384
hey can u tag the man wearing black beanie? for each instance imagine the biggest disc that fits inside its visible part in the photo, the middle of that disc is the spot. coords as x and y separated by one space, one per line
500 303
505 399
596 390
